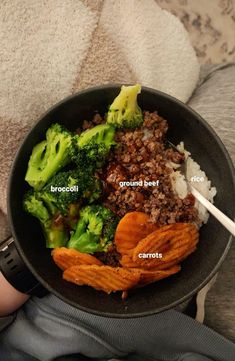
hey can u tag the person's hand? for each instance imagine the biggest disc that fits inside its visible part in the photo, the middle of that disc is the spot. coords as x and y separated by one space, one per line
10 298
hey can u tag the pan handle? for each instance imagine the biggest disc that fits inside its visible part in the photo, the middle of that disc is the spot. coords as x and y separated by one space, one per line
16 272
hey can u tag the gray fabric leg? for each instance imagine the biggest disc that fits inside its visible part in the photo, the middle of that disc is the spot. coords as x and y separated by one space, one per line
48 328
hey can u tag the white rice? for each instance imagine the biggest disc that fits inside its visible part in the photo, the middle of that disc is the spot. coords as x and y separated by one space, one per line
197 178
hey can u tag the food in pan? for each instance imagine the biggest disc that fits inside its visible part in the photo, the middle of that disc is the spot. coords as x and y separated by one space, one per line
111 199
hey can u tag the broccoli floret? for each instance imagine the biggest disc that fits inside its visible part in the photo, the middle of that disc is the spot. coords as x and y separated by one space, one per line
69 187
101 133
52 223
95 229
49 200
49 156
93 146
35 206
124 112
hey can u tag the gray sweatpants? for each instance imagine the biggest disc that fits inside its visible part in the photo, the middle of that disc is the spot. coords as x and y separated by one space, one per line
49 329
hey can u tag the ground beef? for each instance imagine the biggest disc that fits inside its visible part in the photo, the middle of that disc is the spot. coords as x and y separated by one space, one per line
110 258
88 124
142 155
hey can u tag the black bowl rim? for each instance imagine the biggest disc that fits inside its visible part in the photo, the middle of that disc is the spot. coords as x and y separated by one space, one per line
43 282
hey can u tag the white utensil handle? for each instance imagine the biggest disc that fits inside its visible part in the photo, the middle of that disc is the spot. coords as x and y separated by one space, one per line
222 218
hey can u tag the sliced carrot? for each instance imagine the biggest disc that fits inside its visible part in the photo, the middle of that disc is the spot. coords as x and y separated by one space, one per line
154 275
133 227
175 241
67 257
104 278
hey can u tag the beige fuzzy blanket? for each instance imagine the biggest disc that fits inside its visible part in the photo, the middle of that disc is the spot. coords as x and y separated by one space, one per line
50 49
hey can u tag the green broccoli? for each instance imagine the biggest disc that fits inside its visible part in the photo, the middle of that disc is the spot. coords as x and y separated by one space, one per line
52 223
72 215
93 147
95 229
49 156
69 187
124 111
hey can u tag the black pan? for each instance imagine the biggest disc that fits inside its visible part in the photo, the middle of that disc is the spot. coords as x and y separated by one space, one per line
197 269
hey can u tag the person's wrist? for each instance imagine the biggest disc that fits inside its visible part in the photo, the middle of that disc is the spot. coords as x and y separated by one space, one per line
11 299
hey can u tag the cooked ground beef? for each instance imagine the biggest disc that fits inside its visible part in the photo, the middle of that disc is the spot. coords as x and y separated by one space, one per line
110 258
141 155
87 124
